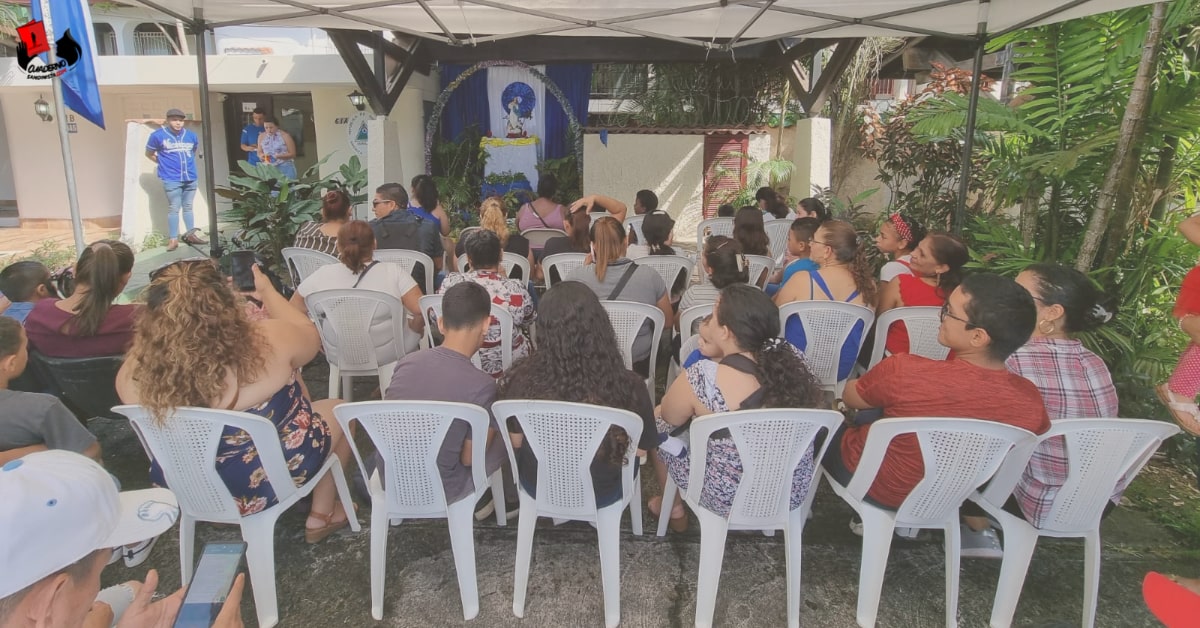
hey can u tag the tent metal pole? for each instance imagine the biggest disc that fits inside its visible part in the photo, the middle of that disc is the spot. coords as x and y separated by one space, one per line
206 120
964 177
64 141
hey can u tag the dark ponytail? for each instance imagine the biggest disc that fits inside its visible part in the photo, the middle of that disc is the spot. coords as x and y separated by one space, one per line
101 268
1086 307
843 239
754 321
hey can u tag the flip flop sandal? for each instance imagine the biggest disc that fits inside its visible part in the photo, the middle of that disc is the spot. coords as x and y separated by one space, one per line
1173 605
1185 413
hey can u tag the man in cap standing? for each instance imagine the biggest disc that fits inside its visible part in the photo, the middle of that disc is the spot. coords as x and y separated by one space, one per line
173 148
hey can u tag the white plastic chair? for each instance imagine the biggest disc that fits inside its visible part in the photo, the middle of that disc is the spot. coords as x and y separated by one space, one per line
627 319
634 223
1101 453
922 324
507 262
407 260
669 267
712 227
777 235
689 317
408 436
827 326
760 270
431 309
771 443
538 237
959 456
345 319
185 447
302 262
564 263
685 349
564 437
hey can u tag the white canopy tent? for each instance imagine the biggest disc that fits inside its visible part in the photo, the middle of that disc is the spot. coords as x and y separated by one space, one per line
724 24
718 28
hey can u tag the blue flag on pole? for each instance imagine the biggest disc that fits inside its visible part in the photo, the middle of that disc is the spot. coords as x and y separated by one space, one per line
72 24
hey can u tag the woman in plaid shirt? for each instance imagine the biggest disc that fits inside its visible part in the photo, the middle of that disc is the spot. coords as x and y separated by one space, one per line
1074 382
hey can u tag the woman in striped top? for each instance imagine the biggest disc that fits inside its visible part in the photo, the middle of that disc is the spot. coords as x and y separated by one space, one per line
322 236
724 265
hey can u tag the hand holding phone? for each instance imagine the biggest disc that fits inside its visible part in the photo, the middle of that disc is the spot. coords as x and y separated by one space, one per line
241 268
212 586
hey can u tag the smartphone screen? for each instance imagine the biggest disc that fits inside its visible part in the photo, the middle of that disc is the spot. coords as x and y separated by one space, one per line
206 593
241 263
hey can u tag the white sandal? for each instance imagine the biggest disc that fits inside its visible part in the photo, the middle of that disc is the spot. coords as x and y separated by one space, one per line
1185 413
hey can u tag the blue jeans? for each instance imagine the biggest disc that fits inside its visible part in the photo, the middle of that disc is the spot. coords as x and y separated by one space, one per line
288 168
179 195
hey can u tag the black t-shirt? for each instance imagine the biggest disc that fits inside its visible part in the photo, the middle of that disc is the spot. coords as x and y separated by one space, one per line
606 477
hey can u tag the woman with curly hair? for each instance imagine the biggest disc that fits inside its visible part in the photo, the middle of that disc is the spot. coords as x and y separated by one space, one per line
322 236
843 275
194 346
748 368
574 332
88 323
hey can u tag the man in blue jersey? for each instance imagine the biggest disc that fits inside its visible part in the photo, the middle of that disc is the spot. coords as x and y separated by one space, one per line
173 148
250 134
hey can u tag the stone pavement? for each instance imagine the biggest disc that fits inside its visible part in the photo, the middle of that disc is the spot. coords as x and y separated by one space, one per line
329 584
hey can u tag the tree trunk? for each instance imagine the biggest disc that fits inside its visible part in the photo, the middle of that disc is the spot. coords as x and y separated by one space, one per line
1162 178
1132 128
1029 212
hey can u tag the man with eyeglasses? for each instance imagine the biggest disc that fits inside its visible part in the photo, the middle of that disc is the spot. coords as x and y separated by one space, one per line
985 319
397 228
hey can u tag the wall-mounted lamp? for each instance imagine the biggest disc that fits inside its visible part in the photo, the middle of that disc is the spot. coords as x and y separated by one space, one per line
42 108
357 99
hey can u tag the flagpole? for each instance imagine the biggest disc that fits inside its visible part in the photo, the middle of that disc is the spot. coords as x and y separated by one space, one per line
60 110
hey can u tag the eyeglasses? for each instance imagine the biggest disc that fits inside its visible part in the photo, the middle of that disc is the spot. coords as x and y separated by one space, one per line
812 241
946 313
379 201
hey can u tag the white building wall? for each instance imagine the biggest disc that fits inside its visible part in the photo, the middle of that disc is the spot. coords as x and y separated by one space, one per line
670 165
8 191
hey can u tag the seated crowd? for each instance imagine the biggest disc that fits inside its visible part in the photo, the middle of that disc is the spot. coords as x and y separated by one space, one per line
1013 357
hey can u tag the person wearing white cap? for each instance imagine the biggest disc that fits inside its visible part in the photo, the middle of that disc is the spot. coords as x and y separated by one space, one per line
61 516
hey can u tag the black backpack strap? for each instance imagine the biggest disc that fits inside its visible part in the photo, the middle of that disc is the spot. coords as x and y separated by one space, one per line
364 273
612 296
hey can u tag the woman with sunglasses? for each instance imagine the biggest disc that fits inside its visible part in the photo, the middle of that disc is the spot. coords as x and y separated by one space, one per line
748 367
936 268
195 347
843 275
88 323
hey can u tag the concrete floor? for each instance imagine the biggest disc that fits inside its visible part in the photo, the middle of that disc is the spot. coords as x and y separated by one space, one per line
328 584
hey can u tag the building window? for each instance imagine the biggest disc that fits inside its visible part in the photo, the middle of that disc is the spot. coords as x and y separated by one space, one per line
106 39
155 39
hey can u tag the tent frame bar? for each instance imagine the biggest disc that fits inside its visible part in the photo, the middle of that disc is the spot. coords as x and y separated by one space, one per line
964 177
210 195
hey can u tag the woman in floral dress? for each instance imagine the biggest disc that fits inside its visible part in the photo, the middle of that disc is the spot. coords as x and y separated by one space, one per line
748 367
194 346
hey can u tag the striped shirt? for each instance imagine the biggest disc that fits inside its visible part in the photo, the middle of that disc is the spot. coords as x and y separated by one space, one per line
1075 384
309 236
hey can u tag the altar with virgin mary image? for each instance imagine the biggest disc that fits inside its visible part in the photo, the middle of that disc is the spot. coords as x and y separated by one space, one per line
520 111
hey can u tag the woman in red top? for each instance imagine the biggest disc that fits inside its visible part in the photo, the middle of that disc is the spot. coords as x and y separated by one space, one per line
87 323
936 266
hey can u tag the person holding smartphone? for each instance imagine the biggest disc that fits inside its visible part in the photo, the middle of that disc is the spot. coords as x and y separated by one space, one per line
61 515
